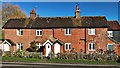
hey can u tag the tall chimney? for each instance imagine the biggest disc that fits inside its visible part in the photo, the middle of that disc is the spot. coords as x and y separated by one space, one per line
32 14
77 12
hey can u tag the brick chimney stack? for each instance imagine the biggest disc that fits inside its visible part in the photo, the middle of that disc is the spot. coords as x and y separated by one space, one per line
32 14
77 12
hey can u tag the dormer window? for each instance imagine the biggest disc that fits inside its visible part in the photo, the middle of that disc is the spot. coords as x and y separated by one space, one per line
19 32
39 32
91 31
68 31
110 33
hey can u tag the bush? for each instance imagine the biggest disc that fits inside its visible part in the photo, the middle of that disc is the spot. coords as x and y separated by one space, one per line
8 53
118 60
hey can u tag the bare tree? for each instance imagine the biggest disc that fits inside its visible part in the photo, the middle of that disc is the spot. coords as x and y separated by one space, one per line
9 11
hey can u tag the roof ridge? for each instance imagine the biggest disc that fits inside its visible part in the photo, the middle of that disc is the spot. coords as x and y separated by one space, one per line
112 20
92 16
58 17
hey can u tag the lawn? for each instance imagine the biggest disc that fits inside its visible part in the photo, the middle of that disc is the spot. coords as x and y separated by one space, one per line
31 60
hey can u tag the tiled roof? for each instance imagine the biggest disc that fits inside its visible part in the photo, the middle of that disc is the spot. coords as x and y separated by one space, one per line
10 41
57 22
113 25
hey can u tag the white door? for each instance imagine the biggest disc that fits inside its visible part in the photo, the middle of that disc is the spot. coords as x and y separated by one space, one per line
5 47
56 49
48 50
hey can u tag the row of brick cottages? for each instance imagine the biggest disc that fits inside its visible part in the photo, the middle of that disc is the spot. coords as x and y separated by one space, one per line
63 34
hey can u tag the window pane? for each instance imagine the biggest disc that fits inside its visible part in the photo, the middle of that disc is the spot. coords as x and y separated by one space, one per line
93 46
40 32
90 31
66 46
21 32
21 47
90 46
37 32
93 30
69 46
69 31
66 31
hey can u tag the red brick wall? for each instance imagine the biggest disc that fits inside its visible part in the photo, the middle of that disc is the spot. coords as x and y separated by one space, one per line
100 39
77 34
116 47
74 38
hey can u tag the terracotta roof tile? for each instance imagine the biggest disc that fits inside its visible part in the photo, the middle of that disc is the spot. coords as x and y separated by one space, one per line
57 22
113 25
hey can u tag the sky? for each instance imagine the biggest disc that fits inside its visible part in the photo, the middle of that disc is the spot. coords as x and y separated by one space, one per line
58 9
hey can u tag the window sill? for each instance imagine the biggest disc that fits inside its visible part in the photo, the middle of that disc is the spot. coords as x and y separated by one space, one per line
91 34
19 35
38 35
68 34
91 50
67 49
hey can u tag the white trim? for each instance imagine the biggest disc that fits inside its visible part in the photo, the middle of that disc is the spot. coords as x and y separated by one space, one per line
68 32
19 32
109 44
6 41
91 47
19 46
38 30
110 33
69 44
47 42
38 45
91 31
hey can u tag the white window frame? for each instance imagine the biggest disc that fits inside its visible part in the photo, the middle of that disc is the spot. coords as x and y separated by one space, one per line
38 30
110 33
91 46
91 31
69 46
18 46
68 31
38 45
19 32
108 45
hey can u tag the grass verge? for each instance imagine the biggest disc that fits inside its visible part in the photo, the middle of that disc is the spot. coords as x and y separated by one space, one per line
31 60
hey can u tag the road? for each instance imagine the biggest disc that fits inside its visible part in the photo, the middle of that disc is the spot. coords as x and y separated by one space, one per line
47 65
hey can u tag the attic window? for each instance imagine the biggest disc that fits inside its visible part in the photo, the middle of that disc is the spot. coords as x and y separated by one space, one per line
19 32
39 32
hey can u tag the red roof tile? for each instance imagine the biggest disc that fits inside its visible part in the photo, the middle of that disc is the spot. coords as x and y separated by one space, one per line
113 25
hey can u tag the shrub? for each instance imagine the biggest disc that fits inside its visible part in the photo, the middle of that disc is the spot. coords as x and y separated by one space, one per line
118 60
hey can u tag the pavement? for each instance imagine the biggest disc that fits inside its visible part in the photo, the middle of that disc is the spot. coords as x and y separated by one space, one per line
52 65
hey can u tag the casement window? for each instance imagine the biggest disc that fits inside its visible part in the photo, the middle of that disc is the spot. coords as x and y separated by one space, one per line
110 47
38 32
91 31
19 32
91 46
38 45
19 46
68 31
110 33
68 46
